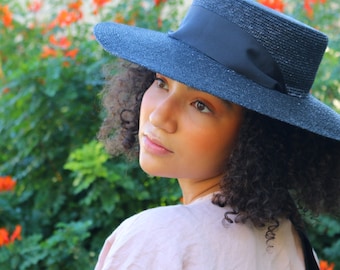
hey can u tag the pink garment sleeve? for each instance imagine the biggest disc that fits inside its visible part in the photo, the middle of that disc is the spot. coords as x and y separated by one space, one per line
137 244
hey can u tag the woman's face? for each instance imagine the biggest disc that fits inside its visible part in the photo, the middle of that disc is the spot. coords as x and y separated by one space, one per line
185 133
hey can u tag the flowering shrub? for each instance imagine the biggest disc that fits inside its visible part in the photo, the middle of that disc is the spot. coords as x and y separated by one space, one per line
68 194
324 265
277 5
6 238
5 15
6 183
67 197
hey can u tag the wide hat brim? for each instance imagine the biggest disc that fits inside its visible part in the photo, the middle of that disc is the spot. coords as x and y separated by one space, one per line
161 53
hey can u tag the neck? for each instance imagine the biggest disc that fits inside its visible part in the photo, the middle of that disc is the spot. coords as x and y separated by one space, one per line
193 189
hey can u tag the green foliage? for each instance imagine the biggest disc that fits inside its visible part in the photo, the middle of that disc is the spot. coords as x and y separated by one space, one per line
88 169
325 17
325 236
70 194
63 248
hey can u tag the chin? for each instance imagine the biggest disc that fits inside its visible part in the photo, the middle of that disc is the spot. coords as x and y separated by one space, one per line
158 172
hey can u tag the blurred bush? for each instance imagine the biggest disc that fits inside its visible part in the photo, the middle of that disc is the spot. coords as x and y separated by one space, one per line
67 196
60 193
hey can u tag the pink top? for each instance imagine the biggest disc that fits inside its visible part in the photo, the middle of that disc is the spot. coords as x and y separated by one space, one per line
195 237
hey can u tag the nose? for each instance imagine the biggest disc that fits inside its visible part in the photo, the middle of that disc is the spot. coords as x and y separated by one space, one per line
164 114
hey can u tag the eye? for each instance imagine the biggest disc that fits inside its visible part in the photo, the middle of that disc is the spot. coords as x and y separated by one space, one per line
161 83
201 107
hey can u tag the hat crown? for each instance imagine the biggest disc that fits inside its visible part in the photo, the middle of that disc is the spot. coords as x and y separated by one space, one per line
295 47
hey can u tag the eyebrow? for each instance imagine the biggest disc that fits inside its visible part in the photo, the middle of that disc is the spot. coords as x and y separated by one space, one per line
226 102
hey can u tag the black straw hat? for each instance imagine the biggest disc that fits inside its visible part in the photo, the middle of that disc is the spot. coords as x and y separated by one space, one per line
240 51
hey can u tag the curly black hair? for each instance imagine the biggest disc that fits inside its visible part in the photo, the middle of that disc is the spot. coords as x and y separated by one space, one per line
274 171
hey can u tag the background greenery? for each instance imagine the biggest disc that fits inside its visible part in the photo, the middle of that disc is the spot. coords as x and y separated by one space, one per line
69 193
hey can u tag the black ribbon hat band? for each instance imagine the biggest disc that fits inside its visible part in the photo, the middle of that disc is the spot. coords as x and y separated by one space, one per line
229 45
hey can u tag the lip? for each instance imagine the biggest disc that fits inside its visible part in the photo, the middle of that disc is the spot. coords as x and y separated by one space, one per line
154 146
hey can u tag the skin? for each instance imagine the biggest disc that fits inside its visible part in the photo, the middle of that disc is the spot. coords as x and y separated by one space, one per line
186 134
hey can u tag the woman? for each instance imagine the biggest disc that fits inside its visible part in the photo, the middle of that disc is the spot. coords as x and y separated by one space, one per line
223 105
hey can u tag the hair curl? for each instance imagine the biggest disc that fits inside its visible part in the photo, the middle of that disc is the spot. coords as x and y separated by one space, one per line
121 97
274 170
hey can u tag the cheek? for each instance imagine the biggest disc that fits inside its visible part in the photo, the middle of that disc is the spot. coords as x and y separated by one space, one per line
144 109
205 155
214 148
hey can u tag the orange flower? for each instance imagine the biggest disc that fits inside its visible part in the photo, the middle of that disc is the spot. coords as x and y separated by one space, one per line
7 183
71 53
158 2
278 5
47 52
119 18
308 7
4 237
60 47
62 42
75 5
34 6
131 21
324 265
6 15
5 90
16 234
159 23
66 18
98 4
49 27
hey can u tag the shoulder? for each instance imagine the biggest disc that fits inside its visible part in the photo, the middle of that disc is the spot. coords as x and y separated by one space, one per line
152 239
176 219
198 223
160 237
176 215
